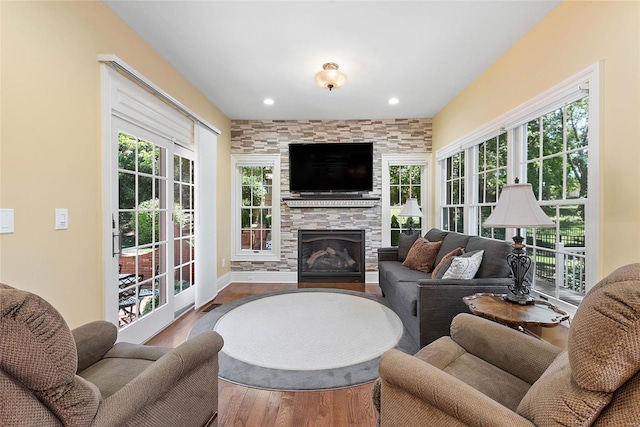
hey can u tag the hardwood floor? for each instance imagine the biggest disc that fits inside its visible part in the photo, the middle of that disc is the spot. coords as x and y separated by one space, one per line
246 406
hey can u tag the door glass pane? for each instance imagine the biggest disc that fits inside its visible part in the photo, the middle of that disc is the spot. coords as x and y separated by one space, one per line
141 219
127 194
183 220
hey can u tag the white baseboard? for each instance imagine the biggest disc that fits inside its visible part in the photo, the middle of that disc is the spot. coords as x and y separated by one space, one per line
371 277
223 281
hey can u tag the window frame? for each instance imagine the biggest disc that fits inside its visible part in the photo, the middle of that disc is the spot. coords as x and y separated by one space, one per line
442 179
252 160
514 122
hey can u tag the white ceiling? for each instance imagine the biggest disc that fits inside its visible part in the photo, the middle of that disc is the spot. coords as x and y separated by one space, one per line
239 52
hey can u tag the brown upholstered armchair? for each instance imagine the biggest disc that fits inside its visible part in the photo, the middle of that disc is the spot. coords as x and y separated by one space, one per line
486 374
52 376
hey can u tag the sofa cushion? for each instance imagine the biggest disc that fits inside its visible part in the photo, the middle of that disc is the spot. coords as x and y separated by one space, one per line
422 255
464 267
435 235
609 315
405 241
445 354
443 261
396 272
494 263
451 241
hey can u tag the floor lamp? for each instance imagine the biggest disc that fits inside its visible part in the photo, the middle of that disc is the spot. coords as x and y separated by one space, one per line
410 210
517 208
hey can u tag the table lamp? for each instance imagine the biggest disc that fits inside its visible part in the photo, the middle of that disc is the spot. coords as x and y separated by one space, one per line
410 210
517 208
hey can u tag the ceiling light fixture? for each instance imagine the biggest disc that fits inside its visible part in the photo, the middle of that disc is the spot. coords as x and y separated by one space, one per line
393 101
330 77
268 101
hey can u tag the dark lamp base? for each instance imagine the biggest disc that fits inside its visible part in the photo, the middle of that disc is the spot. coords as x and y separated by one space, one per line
519 299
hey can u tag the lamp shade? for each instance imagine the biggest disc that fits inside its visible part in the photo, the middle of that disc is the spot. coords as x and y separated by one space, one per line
411 208
330 77
517 208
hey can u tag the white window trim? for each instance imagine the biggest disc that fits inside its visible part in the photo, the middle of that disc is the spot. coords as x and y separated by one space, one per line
237 253
421 159
441 177
573 88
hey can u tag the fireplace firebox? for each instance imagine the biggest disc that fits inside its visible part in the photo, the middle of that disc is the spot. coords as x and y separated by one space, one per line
331 256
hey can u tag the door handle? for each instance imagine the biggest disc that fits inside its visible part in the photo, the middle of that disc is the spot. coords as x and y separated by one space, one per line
116 249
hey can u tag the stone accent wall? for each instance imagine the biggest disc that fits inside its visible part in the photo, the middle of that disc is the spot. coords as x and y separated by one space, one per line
390 136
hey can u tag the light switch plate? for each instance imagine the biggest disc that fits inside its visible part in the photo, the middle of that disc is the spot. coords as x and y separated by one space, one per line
62 219
6 221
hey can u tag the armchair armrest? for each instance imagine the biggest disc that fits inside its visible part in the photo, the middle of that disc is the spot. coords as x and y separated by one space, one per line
388 254
442 399
512 351
93 341
156 383
439 300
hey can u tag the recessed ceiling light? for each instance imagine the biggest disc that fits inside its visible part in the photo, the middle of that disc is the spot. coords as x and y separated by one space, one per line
393 101
268 101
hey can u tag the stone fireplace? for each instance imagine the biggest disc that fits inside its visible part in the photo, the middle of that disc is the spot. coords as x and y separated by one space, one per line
331 256
390 136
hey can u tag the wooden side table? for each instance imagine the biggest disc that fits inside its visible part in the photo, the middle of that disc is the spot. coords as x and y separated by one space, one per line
494 307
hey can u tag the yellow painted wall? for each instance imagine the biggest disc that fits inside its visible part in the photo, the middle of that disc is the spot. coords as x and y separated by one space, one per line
572 37
51 145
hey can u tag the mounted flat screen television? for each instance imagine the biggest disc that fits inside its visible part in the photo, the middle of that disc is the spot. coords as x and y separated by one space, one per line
331 167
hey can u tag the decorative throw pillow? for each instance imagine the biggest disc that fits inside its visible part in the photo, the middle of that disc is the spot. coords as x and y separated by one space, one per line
443 261
405 241
447 264
464 267
422 255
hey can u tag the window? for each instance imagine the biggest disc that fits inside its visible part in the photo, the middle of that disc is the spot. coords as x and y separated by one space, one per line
556 165
405 183
548 143
491 176
453 210
256 200
403 177
143 216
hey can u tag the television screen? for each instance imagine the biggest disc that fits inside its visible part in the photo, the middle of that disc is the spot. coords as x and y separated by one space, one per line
331 167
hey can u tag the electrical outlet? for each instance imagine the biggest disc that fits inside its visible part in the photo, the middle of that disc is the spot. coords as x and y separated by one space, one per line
224 262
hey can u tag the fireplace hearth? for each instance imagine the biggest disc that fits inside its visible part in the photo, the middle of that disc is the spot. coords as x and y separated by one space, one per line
331 256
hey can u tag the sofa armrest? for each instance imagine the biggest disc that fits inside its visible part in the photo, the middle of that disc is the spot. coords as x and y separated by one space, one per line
196 360
93 341
388 254
441 398
521 355
439 300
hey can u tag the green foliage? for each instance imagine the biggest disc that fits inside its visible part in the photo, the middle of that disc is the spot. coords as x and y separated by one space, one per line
492 168
134 155
148 220
405 183
255 185
151 304
546 137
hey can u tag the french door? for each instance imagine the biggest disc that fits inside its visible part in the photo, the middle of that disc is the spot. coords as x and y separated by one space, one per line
183 228
152 232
